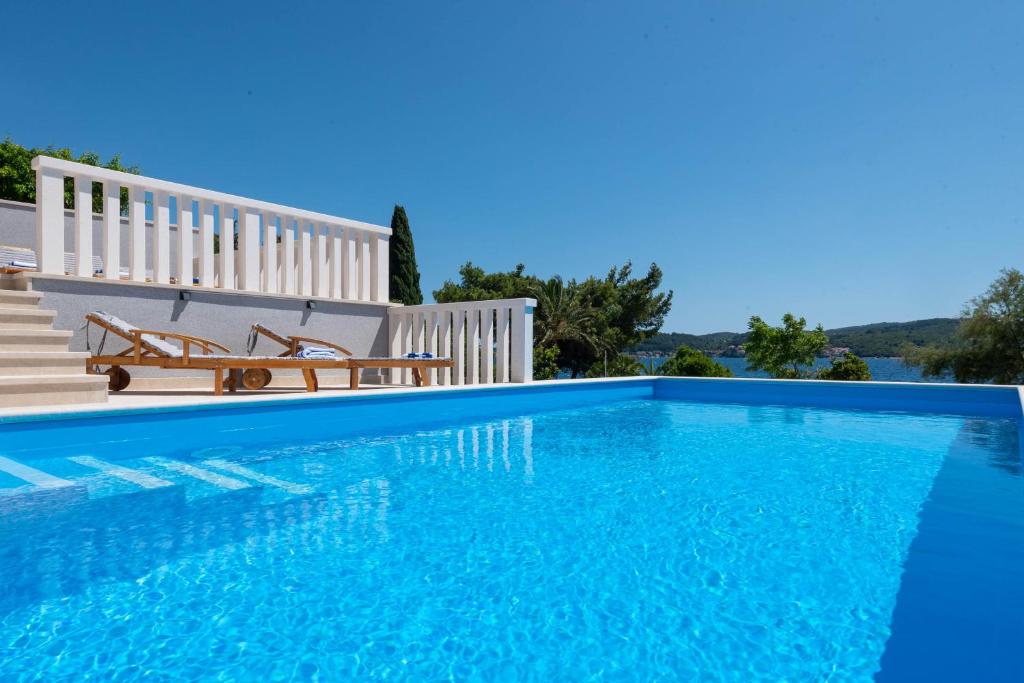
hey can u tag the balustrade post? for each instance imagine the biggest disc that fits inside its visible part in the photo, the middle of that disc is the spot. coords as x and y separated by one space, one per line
379 281
227 247
185 239
249 248
287 253
350 247
111 230
83 227
305 260
161 238
49 219
270 284
521 367
206 223
137 234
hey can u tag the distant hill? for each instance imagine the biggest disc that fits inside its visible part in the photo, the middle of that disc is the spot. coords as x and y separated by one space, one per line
876 339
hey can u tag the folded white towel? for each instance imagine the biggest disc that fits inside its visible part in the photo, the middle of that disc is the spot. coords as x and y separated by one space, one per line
315 353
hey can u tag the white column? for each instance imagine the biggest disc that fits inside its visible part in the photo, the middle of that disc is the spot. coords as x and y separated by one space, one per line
137 234
287 253
227 246
83 227
379 269
270 253
521 366
473 346
111 230
395 326
349 271
444 344
206 224
185 239
334 251
49 221
407 322
305 274
365 267
319 261
430 344
249 249
487 346
459 346
161 238
501 338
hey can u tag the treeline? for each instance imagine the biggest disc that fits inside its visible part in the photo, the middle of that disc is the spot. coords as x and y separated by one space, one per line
874 340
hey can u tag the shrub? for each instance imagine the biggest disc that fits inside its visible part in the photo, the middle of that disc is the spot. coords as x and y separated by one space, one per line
619 366
689 362
545 362
847 367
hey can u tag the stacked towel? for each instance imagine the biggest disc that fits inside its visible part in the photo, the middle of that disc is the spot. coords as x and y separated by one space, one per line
315 353
425 355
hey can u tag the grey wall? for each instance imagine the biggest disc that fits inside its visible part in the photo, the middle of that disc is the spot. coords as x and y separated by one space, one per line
223 317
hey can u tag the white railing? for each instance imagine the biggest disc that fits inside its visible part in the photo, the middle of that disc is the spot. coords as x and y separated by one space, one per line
281 250
490 341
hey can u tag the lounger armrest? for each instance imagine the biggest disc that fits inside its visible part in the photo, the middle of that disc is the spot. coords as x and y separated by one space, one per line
185 339
296 339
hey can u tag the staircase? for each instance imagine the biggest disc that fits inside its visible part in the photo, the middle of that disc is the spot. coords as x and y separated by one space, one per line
36 368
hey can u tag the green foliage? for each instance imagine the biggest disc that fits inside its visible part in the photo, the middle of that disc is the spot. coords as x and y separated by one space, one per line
874 340
689 362
18 180
785 352
990 338
618 366
584 319
404 285
847 367
545 362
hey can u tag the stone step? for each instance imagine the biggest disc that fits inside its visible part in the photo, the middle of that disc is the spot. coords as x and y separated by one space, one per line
34 340
27 363
11 298
52 390
25 318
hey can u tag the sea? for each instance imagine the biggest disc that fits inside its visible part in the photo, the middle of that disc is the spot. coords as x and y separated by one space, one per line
882 369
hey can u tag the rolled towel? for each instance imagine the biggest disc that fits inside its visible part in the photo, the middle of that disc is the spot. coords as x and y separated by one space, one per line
315 352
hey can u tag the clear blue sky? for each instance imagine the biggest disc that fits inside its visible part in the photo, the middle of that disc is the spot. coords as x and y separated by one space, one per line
851 162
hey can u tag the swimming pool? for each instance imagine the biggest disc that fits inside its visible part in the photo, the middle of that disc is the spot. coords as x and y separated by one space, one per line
624 530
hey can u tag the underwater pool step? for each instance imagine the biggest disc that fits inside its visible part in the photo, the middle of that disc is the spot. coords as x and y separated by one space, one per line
31 475
146 481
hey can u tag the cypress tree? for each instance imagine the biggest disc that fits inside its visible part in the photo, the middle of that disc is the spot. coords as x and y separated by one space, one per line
404 286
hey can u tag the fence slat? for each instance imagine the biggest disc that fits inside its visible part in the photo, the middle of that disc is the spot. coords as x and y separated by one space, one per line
287 256
83 227
161 238
137 234
205 244
270 248
502 348
249 249
185 237
444 345
111 251
227 247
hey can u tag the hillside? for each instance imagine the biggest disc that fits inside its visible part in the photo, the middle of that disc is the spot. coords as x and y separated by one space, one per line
876 339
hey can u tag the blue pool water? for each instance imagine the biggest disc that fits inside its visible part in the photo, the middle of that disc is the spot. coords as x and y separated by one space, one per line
636 539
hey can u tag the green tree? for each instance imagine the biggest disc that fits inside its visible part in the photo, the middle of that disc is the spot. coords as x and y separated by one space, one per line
847 367
785 352
620 365
990 338
404 285
18 180
608 313
689 362
545 362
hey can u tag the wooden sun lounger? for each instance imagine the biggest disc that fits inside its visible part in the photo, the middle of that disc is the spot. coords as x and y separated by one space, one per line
149 348
355 365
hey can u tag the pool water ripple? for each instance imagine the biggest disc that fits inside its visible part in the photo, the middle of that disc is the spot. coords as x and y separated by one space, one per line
642 540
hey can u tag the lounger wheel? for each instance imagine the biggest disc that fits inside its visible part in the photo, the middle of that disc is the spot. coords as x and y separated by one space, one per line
119 378
256 378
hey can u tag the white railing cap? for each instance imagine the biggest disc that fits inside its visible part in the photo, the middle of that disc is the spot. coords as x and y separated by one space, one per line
73 168
464 306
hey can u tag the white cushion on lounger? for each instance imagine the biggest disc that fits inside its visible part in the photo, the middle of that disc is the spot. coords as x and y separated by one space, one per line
154 341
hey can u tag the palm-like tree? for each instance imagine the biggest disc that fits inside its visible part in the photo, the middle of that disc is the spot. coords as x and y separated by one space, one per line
565 314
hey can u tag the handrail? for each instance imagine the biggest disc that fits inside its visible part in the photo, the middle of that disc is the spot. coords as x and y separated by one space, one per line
98 173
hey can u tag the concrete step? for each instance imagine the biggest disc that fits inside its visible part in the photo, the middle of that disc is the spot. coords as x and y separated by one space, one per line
26 318
27 363
52 390
11 298
34 340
